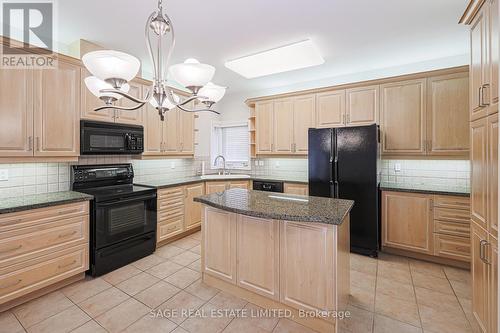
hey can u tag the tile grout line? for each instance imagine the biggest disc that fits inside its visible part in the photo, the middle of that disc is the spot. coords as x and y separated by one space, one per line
416 298
458 300
375 296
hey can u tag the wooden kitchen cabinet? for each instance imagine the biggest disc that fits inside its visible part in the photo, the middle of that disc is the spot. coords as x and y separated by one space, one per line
170 213
57 110
239 184
89 102
153 131
215 187
403 117
192 211
16 112
283 126
186 133
219 237
479 172
264 126
133 117
479 269
330 109
362 106
294 188
258 262
407 221
493 285
304 117
492 177
447 115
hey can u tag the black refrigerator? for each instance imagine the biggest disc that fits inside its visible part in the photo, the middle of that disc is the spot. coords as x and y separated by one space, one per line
344 163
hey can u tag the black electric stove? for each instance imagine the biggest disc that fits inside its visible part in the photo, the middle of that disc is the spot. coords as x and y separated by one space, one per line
122 215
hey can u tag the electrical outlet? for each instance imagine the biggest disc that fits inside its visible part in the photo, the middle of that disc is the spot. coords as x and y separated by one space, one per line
261 163
397 167
4 175
277 164
256 162
172 165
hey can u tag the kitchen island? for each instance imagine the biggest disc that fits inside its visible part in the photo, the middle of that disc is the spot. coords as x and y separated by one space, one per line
279 251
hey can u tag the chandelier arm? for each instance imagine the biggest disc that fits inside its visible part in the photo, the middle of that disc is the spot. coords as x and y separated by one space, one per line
148 41
172 43
124 94
200 110
189 99
107 107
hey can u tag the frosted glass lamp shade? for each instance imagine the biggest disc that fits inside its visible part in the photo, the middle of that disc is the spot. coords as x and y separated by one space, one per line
192 74
213 92
95 86
108 64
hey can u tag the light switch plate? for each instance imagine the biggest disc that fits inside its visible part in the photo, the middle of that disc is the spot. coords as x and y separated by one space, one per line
397 167
4 175
256 162
277 164
172 165
261 163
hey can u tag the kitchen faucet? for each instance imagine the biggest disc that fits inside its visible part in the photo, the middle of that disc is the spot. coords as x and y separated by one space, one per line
223 165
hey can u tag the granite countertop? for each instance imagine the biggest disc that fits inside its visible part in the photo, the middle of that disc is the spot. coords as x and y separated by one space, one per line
426 189
195 179
16 204
280 206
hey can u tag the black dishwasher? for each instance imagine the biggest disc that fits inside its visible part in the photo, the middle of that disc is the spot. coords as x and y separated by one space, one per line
268 186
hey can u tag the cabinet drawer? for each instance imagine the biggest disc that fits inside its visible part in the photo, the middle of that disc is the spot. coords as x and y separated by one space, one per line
171 193
33 241
42 215
165 204
451 228
44 271
452 215
168 214
169 229
452 247
448 201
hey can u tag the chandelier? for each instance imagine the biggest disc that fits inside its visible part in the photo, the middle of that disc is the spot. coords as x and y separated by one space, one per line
112 70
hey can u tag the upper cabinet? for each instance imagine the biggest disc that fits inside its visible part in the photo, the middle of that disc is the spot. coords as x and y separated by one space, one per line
423 114
133 117
447 115
16 112
40 112
89 102
362 106
403 117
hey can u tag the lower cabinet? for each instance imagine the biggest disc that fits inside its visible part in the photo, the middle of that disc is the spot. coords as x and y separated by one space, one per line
42 247
263 255
300 189
221 186
192 211
436 225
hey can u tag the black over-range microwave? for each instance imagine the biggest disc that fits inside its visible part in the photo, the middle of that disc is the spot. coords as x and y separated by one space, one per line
97 138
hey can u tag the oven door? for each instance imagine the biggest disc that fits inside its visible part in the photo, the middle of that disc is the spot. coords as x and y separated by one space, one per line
120 219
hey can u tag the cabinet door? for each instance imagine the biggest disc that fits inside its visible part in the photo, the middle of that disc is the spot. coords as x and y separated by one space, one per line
219 237
90 102
479 172
16 112
215 187
283 126
192 213
479 60
493 285
403 117
479 271
492 177
258 255
57 110
330 109
306 260
133 117
153 131
448 115
362 106
494 51
235 184
186 126
299 189
264 126
304 117
171 131
407 221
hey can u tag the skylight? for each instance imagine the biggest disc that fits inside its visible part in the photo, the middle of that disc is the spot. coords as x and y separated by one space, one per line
282 59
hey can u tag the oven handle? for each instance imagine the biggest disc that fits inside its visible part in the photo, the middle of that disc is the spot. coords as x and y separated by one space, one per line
125 244
121 201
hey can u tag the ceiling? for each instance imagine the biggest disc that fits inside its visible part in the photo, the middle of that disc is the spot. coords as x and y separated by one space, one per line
352 35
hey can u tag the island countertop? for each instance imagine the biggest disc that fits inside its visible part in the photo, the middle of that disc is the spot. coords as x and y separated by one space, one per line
279 206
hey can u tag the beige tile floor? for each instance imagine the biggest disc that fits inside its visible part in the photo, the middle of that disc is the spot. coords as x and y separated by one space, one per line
389 294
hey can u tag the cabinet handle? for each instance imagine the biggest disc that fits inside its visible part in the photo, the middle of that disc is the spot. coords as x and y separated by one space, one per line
431 206
66 234
37 143
480 97
11 285
12 249
484 243
484 86
30 143
272 146
348 118
481 250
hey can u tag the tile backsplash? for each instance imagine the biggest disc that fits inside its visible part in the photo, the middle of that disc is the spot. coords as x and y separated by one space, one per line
35 178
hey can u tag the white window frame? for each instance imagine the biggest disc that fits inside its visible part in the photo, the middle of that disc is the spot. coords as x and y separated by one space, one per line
216 148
